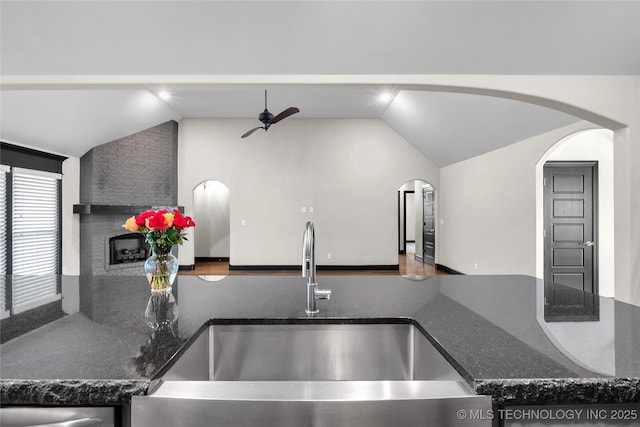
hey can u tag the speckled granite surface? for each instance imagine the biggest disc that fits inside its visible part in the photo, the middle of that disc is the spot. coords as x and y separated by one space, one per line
566 391
493 329
70 392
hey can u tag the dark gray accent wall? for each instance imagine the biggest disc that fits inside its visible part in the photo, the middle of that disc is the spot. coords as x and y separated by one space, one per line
140 170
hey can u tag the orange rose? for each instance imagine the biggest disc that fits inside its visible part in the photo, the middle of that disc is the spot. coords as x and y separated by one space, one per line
168 218
131 224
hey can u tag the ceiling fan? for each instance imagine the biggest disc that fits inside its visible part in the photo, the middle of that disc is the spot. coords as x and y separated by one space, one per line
268 119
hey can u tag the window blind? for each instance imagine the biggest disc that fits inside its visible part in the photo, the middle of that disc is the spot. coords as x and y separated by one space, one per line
4 170
35 237
3 218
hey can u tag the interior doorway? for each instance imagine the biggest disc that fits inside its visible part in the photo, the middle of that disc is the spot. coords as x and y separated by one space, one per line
416 232
408 241
429 225
591 146
211 206
570 237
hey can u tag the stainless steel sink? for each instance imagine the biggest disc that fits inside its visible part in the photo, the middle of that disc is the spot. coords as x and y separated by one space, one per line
311 352
309 373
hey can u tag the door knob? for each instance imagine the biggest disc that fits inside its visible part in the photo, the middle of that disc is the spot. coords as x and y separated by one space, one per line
588 243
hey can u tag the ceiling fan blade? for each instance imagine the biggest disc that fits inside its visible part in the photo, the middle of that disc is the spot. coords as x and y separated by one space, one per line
286 113
251 131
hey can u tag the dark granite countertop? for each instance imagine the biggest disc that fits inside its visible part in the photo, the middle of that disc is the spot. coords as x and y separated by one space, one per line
509 336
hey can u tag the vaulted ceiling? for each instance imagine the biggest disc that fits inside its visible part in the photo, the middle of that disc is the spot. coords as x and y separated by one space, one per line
67 66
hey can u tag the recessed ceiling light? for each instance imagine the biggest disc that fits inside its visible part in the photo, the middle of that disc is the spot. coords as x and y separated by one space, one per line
164 95
385 97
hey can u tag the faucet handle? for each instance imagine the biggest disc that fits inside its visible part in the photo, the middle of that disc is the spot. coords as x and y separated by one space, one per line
323 294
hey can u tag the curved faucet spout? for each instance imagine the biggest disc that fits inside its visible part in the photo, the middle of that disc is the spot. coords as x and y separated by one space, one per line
309 253
309 271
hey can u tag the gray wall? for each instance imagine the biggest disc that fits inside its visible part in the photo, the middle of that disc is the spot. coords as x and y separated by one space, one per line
138 170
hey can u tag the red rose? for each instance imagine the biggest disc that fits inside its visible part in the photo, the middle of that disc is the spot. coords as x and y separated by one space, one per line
142 218
157 222
181 222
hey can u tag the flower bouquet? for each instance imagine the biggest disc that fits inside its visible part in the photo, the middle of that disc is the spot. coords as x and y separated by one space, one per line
162 230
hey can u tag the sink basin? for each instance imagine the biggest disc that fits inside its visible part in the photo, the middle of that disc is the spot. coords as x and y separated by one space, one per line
308 372
311 352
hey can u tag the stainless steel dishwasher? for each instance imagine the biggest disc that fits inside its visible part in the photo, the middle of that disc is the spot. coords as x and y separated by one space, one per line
57 416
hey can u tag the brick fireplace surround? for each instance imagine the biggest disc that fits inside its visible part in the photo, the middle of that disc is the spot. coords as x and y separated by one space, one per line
117 180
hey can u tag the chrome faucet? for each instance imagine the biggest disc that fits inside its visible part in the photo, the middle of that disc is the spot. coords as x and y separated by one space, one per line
309 271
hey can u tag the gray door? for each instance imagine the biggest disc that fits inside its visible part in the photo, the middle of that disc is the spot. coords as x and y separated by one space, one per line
429 227
570 244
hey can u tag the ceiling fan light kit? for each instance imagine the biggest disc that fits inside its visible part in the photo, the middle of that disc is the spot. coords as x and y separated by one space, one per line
268 119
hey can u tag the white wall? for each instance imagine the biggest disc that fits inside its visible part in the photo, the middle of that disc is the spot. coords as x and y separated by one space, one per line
487 208
70 221
411 216
631 176
211 207
588 145
347 170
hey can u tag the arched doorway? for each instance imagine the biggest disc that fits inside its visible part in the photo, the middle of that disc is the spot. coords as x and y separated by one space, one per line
416 228
595 146
211 205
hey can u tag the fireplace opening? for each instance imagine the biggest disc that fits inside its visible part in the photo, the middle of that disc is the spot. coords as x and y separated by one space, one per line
127 248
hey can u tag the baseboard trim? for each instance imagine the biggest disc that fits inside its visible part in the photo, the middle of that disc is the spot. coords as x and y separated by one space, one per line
377 267
447 269
207 258
264 267
187 267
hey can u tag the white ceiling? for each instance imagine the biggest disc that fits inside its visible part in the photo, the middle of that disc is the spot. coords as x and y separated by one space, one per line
52 40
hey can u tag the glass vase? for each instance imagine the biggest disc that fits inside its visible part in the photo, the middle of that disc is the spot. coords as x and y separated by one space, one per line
162 309
161 270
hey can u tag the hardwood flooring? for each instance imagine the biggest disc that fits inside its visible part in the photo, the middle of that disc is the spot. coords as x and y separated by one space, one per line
409 266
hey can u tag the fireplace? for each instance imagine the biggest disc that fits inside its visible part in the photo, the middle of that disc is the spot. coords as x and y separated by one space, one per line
114 185
128 248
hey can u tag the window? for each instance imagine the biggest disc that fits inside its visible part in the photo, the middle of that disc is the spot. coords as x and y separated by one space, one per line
35 237
4 212
35 222
30 228
4 170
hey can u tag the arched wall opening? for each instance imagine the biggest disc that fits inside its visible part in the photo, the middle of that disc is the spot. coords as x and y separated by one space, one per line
416 228
610 107
586 145
410 216
608 101
211 208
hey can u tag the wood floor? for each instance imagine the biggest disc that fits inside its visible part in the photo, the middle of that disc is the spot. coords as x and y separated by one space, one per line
407 263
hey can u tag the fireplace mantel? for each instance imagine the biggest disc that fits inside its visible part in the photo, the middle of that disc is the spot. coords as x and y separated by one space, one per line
115 209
